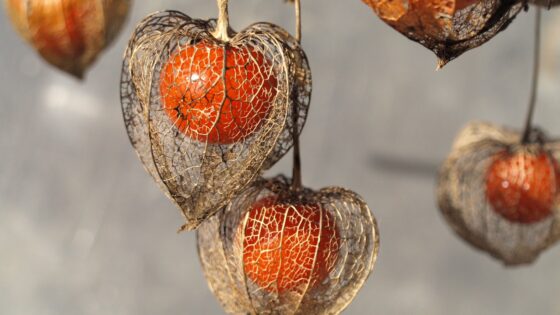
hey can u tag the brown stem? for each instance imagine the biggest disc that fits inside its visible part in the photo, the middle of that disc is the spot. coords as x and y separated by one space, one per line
222 26
297 4
296 173
535 79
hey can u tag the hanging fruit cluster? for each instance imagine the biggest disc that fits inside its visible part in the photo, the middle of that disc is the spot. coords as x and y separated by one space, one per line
501 194
448 28
207 111
69 34
275 250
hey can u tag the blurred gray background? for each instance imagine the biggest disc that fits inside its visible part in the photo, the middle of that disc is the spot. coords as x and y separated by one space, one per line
84 230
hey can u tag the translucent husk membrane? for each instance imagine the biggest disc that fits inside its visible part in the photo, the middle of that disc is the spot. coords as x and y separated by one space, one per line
463 202
211 146
69 34
246 282
448 28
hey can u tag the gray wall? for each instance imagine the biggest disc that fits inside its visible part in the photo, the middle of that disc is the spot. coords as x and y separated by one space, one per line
84 230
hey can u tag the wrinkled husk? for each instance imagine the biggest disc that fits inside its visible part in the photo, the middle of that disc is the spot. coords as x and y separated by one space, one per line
441 28
68 34
220 247
202 177
462 199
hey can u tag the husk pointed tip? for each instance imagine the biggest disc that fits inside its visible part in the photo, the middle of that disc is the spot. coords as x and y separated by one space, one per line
188 226
441 62
78 75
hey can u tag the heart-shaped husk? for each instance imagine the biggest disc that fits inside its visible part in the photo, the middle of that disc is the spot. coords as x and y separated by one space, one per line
223 241
462 196
198 175
448 28
69 34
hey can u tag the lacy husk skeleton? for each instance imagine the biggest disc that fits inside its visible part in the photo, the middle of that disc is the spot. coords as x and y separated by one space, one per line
463 202
223 245
200 174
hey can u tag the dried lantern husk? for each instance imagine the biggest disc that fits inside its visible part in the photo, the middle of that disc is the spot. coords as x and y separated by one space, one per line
197 171
255 262
448 28
68 34
463 196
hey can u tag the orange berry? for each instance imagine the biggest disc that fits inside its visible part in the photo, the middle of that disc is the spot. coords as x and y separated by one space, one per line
522 187
214 99
287 246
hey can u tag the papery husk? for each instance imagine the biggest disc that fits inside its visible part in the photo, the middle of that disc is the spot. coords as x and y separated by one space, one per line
68 34
220 247
198 176
448 28
462 196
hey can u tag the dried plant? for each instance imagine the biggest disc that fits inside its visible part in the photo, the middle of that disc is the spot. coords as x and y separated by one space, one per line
276 250
207 109
500 194
68 33
448 28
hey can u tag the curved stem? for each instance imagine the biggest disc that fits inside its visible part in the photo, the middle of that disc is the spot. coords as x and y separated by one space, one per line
296 171
535 79
222 26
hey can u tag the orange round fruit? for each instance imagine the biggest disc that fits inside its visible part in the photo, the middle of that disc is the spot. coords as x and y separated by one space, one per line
217 94
289 246
522 187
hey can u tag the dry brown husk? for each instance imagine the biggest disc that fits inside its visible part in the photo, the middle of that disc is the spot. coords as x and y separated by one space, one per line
221 253
202 177
68 34
443 28
462 199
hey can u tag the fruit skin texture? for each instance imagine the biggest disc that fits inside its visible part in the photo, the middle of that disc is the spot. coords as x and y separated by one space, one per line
522 187
288 246
211 107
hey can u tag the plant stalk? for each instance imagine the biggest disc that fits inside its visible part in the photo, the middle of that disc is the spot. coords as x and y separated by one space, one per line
222 25
535 79
296 171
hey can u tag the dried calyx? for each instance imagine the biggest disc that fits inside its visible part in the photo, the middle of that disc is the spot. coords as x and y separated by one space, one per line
276 251
205 116
501 195
448 28
68 33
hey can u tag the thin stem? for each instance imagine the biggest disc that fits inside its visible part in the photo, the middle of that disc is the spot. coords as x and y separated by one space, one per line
222 26
297 4
296 174
535 79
